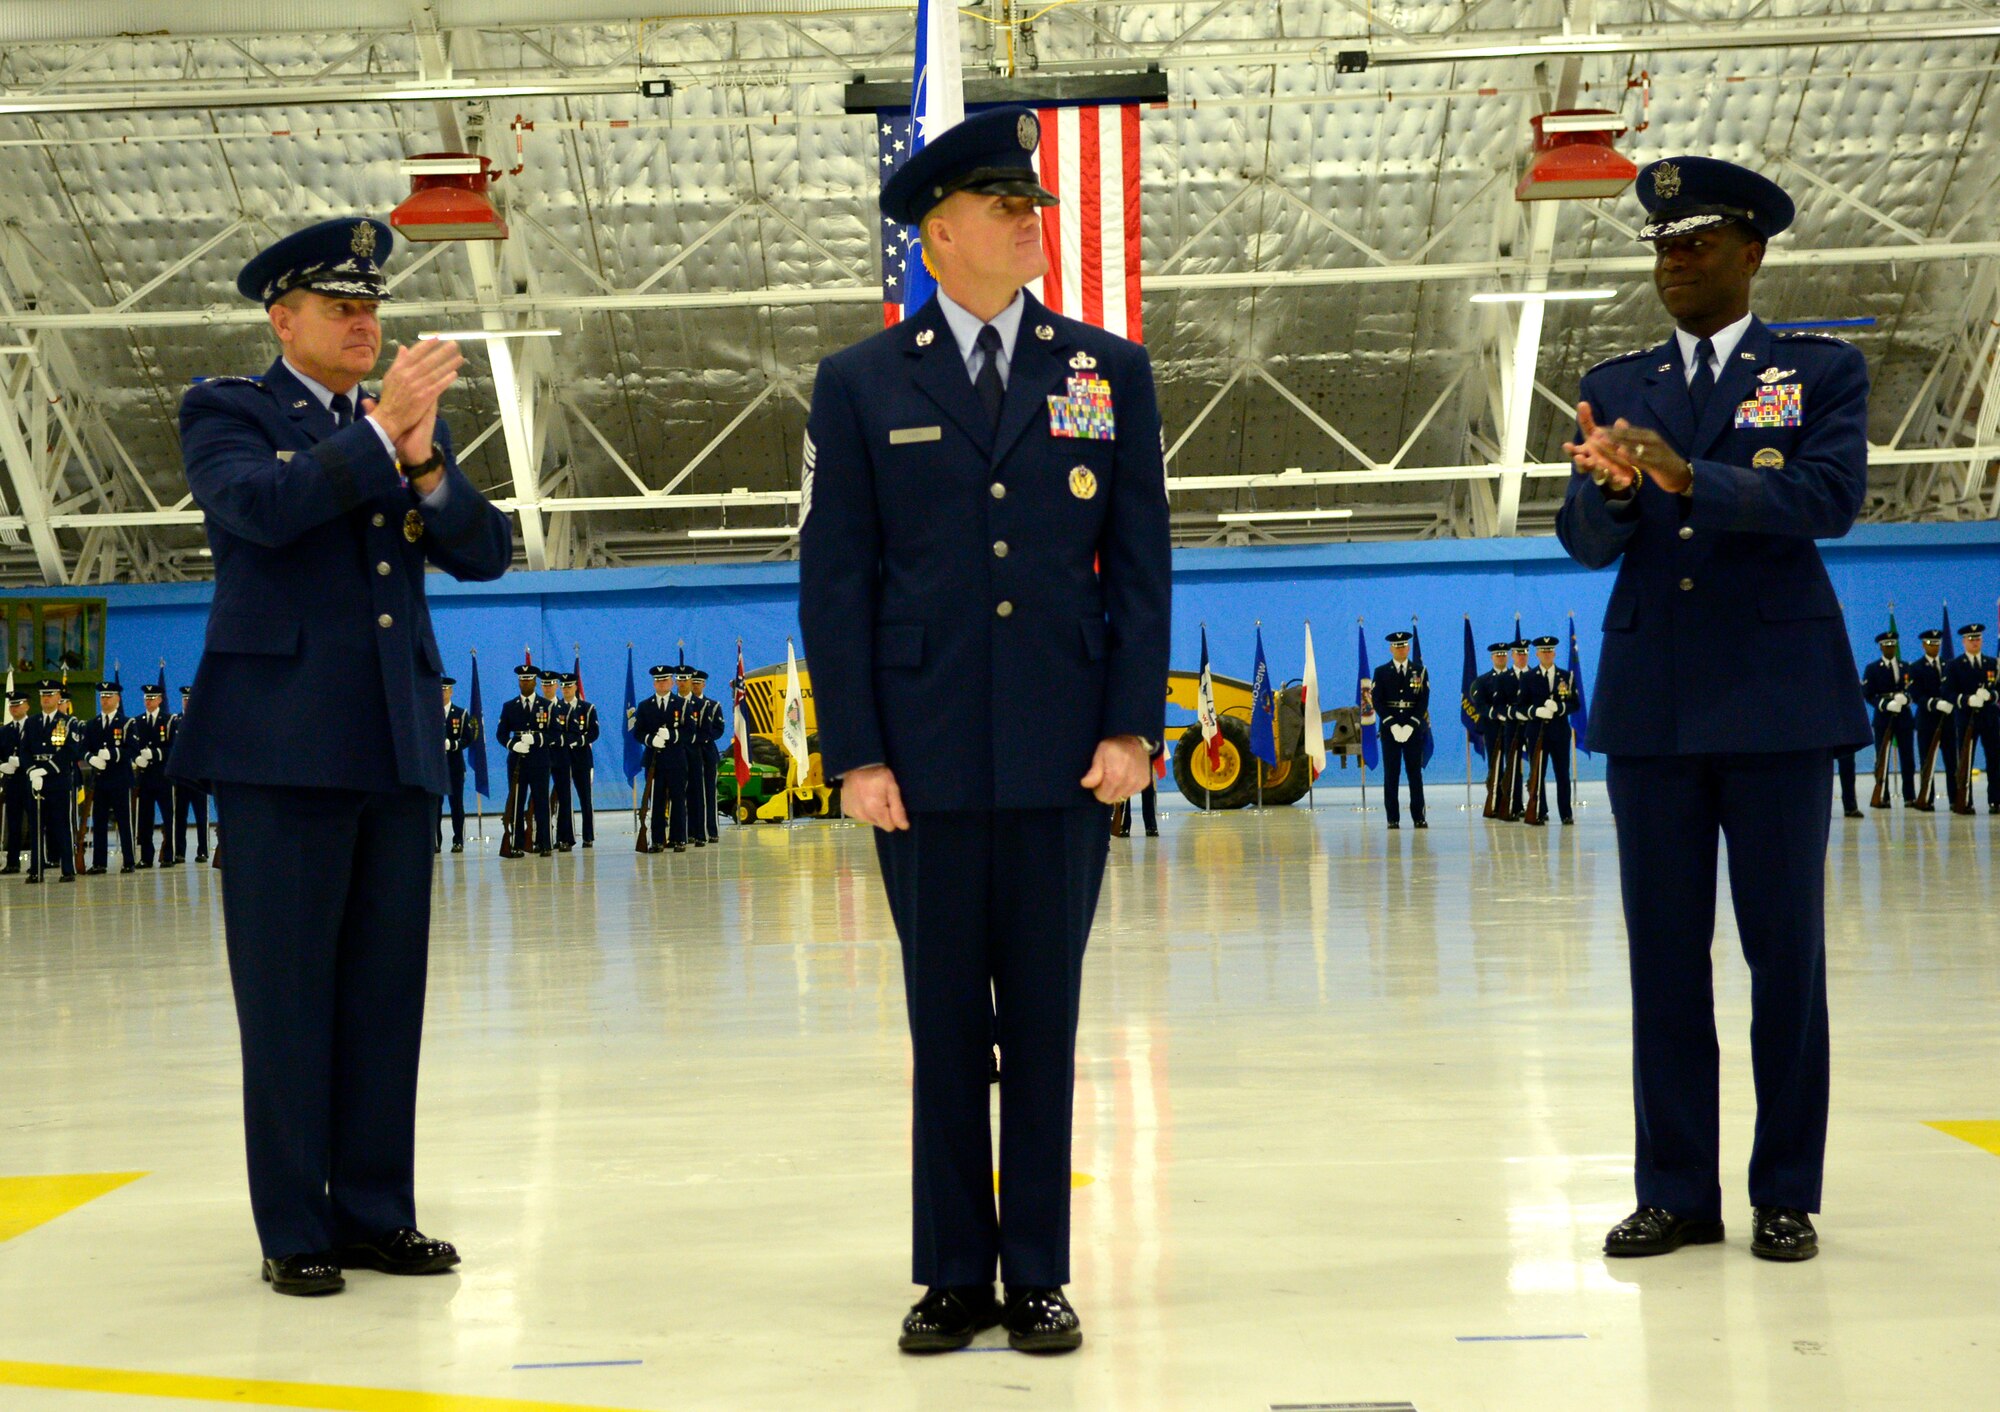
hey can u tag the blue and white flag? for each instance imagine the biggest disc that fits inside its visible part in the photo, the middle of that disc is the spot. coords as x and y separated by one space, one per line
635 749
1417 656
1364 697
475 747
1263 710
937 104
1579 712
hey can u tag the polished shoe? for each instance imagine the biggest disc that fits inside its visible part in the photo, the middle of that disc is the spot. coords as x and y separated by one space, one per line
1121 833
1924 808
565 848
1780 1233
1393 825
33 879
1152 833
93 871
304 1274
1568 820
458 848
1041 1321
948 1317
588 844
545 853
170 862
144 864
124 868
1422 824
1652 1230
699 842
404 1252
1873 805
1856 814
67 877
680 848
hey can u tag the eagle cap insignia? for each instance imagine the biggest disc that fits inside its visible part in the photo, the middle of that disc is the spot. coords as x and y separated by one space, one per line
925 337
1028 131
1666 181
363 241
1771 376
1082 361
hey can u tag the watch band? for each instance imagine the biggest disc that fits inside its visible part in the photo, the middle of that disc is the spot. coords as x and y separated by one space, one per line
423 468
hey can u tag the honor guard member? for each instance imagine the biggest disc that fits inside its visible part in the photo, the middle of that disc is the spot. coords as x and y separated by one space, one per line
190 796
516 725
1928 688
705 727
152 791
1843 765
688 802
459 728
1705 468
560 807
319 723
1518 721
51 745
580 740
656 724
1885 686
108 751
14 796
984 527
1403 703
1492 703
1975 690
1551 696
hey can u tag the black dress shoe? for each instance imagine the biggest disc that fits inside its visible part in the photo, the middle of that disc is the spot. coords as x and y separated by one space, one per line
201 857
34 879
1394 825
1924 808
680 848
458 848
142 864
1651 1230
1780 1233
948 1317
699 842
92 872
124 868
1856 814
1421 824
67 877
1152 833
404 1252
565 848
304 1274
1993 808
588 844
545 853
1041 1321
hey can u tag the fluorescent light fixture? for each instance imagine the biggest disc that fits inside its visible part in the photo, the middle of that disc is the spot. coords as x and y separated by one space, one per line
491 335
1246 517
442 166
746 532
1583 122
1541 296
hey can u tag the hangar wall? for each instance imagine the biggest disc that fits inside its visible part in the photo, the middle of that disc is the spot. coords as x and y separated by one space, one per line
1918 567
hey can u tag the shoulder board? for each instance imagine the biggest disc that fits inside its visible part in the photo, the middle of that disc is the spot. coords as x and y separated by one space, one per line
1801 336
1625 358
227 379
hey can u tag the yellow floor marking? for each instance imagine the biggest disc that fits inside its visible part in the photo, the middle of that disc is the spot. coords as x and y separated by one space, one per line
1980 1132
1077 1180
257 1392
27 1202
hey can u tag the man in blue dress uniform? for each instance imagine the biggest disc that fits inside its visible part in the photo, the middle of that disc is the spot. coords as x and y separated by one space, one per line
50 746
983 573
1514 806
319 727
656 723
1549 698
1929 689
190 796
1708 466
1975 692
1885 685
526 731
14 795
108 753
705 725
560 805
1492 693
148 737
1403 704
579 742
459 728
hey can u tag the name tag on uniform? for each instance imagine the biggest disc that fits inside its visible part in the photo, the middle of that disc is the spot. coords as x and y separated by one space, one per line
905 436
1780 405
1085 413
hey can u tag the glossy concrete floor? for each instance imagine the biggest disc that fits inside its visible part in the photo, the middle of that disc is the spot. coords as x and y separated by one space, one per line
1352 1119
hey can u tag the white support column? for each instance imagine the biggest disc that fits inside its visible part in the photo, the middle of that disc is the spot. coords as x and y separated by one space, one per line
514 396
29 493
1518 388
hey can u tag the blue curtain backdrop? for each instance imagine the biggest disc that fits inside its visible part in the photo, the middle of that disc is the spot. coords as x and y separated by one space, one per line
599 611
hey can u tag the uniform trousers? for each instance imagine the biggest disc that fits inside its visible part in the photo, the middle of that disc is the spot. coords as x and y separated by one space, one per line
452 798
529 797
993 910
1555 759
20 815
698 792
581 771
1939 746
1406 759
110 805
1985 728
51 808
190 800
156 800
669 822
1903 733
559 795
326 909
1843 764
1773 812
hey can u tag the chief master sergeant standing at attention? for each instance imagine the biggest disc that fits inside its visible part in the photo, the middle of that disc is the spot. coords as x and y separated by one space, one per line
1706 467
321 712
984 528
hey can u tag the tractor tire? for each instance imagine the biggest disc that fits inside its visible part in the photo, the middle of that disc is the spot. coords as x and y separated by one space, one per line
766 751
1232 785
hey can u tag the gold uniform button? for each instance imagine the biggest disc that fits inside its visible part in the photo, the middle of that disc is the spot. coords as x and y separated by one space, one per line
1000 549
378 521
1686 584
383 568
999 491
1687 531
385 621
1005 609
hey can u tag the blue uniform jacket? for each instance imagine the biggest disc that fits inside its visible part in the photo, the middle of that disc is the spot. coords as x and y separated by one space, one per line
1880 684
1402 700
1535 693
1966 677
320 667
654 714
523 714
52 743
981 607
141 734
1929 679
1732 572
112 737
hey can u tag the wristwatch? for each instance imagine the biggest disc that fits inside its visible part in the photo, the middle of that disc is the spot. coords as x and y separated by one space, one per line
423 468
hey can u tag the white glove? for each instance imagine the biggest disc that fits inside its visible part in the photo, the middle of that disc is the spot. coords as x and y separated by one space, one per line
145 757
660 738
101 760
1547 710
1402 734
36 776
1979 698
1942 705
521 746
9 765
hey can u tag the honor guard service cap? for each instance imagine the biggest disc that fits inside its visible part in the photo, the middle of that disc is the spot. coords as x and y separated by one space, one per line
50 687
17 696
1973 630
1883 639
1395 637
110 688
1547 641
341 258
442 681
153 689
1520 644
992 153
1930 635
659 673
566 678
1497 646
698 674
527 669
1685 194
185 690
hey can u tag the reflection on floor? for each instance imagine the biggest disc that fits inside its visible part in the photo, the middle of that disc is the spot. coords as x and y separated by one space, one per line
1354 1107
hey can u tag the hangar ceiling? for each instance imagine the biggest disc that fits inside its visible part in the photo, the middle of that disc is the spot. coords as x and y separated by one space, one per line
1312 238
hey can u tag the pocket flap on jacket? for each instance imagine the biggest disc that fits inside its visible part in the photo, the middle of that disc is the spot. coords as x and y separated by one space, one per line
266 634
1093 638
899 645
1620 612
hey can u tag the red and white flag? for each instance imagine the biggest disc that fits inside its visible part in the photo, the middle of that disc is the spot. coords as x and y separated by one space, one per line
1089 157
739 746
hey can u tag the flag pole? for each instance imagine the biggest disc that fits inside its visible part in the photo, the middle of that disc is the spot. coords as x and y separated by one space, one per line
1361 729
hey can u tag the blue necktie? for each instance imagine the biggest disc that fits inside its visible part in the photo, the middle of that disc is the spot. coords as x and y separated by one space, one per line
343 409
1703 386
988 385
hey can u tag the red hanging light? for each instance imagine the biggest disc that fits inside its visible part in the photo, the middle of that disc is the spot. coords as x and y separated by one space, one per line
448 199
1574 159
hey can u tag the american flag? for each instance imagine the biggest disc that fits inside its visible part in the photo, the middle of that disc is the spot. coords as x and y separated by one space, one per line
1089 157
